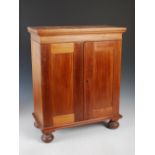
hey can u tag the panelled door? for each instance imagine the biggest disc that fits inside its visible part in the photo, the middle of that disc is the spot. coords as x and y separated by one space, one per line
66 86
98 78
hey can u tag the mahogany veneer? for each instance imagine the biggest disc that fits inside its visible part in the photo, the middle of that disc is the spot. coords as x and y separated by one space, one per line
76 76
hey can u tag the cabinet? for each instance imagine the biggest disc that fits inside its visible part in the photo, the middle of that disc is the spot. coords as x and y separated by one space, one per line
76 76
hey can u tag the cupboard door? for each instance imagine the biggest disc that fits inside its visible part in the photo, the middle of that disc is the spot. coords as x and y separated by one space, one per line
66 85
98 78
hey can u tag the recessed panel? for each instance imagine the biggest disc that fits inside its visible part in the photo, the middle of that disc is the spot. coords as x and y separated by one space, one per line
62 83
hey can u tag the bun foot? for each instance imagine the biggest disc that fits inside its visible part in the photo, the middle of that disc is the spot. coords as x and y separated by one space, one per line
36 125
47 138
113 124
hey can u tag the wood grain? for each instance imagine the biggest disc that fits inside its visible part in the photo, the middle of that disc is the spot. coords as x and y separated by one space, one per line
62 83
46 85
78 91
36 76
62 48
117 77
98 69
63 30
63 120
76 38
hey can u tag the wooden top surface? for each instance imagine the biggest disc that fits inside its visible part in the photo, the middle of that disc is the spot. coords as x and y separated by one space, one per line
62 30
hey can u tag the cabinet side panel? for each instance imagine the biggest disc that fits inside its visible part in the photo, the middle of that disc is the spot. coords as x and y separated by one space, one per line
36 76
116 77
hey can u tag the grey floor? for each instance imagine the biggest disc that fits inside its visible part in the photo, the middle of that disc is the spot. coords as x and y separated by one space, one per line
92 139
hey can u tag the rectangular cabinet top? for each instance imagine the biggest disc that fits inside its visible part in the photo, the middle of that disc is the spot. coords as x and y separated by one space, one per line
67 30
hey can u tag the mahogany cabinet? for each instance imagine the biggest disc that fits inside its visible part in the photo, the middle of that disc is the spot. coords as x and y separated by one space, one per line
76 76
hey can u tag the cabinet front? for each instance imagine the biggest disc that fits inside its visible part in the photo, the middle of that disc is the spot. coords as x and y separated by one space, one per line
98 77
81 81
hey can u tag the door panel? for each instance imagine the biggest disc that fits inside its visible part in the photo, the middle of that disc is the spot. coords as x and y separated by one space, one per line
66 73
98 77
62 83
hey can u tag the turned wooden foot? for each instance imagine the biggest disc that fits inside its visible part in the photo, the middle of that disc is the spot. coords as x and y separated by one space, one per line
47 138
36 125
113 124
